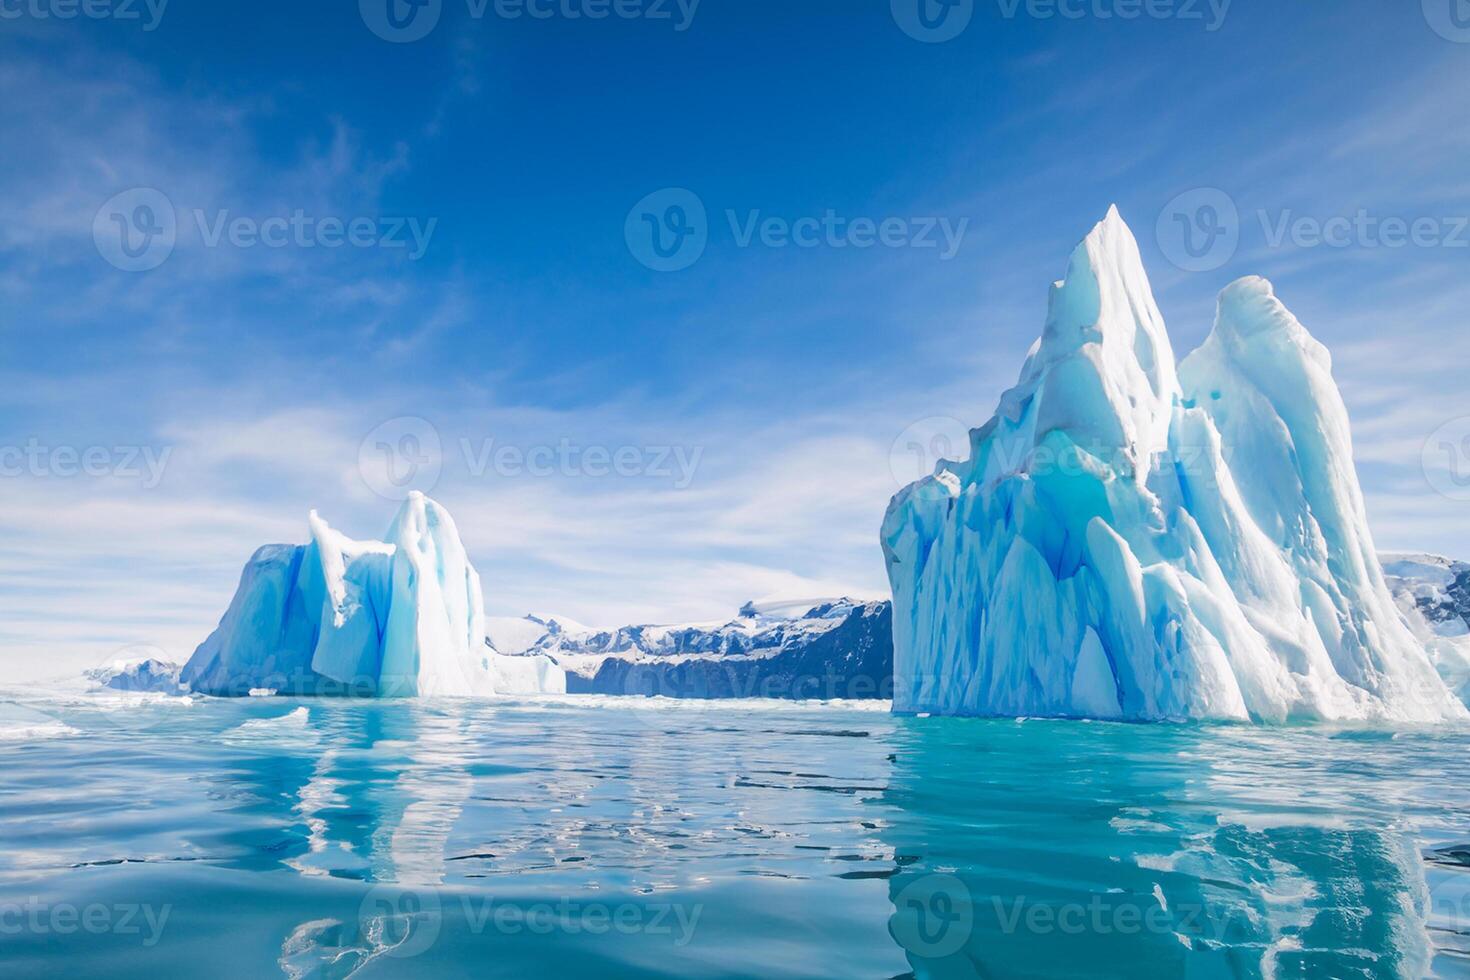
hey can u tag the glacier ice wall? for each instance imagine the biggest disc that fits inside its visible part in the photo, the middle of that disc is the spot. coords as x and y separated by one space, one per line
394 618
1133 539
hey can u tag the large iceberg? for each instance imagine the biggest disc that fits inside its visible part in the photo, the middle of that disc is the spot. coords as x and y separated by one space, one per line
1132 539
400 617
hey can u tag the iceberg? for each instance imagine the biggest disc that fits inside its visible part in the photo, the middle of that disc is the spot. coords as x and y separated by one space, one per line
401 617
1135 538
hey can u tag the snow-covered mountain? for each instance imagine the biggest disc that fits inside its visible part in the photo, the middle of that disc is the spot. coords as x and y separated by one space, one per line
399 617
1131 538
140 674
1433 593
816 648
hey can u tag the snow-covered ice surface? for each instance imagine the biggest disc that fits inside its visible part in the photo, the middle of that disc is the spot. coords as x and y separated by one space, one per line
393 618
1134 540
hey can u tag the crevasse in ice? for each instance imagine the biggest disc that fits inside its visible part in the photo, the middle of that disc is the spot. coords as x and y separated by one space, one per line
1133 539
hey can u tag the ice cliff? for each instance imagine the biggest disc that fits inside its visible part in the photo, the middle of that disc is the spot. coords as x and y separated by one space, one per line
1136 539
394 618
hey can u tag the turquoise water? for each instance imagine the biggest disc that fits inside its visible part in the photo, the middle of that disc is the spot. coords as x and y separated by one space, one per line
151 837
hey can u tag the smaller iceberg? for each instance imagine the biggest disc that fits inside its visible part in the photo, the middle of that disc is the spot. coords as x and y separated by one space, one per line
401 617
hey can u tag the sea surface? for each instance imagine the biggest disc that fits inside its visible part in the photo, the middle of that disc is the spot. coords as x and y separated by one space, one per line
154 837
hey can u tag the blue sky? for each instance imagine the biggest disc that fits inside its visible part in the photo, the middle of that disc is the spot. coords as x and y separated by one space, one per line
757 393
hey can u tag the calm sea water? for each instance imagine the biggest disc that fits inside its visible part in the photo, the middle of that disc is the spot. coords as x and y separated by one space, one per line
155 838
